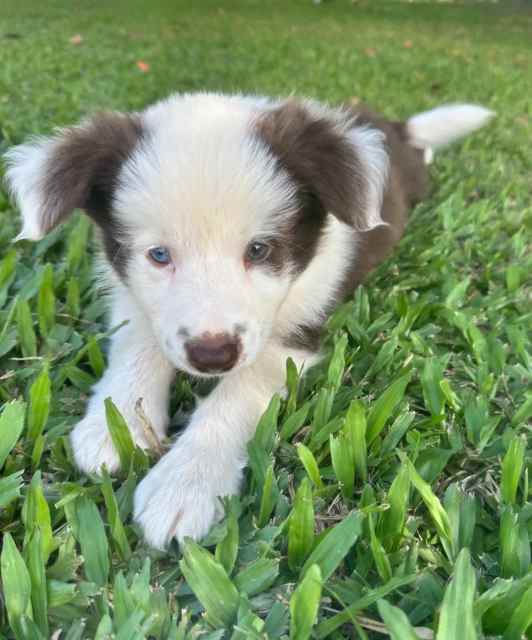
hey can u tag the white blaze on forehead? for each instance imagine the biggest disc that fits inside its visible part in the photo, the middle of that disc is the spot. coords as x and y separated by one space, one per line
201 176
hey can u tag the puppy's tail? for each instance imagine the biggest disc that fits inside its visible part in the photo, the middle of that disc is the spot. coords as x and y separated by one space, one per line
433 129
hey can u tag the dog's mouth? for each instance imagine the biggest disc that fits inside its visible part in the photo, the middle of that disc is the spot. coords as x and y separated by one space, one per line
212 373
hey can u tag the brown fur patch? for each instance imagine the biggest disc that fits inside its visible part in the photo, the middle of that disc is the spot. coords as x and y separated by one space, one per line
324 168
408 183
297 239
82 172
321 161
306 337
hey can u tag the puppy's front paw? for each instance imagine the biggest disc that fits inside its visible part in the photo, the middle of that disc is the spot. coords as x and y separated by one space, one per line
92 445
180 496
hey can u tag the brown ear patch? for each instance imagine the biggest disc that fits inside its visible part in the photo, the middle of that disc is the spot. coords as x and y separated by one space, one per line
318 156
83 167
82 172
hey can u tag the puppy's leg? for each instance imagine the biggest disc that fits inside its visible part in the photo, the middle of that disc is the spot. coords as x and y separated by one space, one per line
137 369
179 496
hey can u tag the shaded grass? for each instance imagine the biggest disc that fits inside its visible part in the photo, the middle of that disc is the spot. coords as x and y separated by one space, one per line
399 463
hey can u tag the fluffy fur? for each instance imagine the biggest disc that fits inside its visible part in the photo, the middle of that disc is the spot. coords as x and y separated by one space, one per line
323 192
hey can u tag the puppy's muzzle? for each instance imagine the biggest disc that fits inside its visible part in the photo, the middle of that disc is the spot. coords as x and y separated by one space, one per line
213 353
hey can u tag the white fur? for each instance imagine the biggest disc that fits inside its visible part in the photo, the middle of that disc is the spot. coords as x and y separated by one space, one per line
180 496
443 125
137 370
24 175
308 301
203 186
373 155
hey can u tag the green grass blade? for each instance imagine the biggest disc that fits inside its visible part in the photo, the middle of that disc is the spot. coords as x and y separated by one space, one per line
227 549
113 517
524 412
124 604
37 451
496 606
434 506
211 584
328 626
337 362
355 429
292 385
36 515
393 520
36 562
294 422
512 468
10 487
270 492
248 625
96 358
521 619
335 545
120 434
342 462
11 427
7 272
311 466
26 629
461 511
263 442
514 542
267 427
77 244
26 333
455 297
301 526
397 430
105 628
73 298
382 562
457 618
396 621
305 603
93 541
39 405
16 582
323 408
258 576
431 378
46 301
384 406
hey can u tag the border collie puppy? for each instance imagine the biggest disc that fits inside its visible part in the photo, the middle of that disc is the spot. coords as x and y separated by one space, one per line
232 226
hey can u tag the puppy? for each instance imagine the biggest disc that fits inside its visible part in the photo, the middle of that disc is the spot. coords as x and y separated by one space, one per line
232 226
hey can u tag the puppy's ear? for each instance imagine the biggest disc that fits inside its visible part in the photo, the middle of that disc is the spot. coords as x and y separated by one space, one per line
75 169
344 165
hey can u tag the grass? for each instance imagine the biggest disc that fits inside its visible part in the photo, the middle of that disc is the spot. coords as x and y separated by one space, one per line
388 495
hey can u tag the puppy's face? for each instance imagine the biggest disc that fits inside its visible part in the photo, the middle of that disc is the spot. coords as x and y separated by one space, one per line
211 208
206 220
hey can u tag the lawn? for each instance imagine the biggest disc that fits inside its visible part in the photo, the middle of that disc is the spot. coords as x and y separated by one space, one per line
389 494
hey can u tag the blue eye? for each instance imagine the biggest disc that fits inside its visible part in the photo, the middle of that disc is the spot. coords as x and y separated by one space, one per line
257 252
160 256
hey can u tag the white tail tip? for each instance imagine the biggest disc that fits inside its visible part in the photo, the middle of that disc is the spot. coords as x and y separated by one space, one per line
443 125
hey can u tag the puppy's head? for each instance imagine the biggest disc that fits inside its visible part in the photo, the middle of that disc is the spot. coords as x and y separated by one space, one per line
210 208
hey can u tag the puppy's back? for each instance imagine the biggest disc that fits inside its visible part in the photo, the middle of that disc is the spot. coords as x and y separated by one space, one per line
408 183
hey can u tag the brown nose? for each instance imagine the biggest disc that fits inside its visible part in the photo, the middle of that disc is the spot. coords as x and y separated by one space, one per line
211 354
